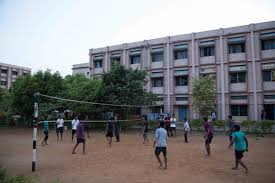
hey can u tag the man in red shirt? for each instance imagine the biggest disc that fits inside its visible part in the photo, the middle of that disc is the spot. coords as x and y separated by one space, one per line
167 125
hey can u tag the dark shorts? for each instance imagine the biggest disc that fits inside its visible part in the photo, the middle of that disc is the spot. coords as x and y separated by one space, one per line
239 154
208 139
73 132
158 150
46 133
109 134
80 140
60 130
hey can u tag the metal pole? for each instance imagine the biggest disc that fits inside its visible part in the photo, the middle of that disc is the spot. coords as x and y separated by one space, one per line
35 120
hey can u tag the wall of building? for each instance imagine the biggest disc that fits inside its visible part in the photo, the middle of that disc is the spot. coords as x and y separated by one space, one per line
83 68
9 73
220 65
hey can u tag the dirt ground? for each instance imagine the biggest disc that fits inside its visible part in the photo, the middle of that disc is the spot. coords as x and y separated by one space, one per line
131 161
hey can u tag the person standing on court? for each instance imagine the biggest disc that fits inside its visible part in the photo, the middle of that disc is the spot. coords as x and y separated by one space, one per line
167 125
117 128
209 134
263 115
173 125
59 127
46 132
145 130
231 123
160 144
75 122
80 137
186 129
110 130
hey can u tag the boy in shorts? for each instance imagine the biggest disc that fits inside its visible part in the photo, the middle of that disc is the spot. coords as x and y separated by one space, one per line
110 131
75 122
80 137
46 132
145 130
59 127
241 145
209 134
161 144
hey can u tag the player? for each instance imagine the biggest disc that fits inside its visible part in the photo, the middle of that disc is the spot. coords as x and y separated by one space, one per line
145 130
59 127
241 145
186 129
117 128
110 131
80 137
173 126
161 144
46 132
75 122
209 134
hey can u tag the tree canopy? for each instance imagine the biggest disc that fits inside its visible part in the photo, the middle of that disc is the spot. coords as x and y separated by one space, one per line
204 95
118 86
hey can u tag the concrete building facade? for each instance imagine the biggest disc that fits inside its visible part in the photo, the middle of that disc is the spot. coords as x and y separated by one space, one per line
241 59
9 73
83 68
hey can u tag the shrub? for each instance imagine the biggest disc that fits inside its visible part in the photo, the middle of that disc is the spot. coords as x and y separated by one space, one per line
219 124
196 124
267 126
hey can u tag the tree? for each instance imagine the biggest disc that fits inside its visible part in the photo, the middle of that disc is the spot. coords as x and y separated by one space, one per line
24 87
124 86
204 95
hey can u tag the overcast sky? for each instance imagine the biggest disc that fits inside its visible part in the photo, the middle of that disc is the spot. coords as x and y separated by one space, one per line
56 34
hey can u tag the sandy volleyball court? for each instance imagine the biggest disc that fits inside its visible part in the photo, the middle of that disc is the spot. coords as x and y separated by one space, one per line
131 161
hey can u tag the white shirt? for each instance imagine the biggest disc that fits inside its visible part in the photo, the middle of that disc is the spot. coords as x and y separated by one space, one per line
186 127
173 122
161 137
59 123
74 124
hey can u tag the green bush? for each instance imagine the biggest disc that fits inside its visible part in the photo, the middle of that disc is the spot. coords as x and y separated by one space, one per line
196 124
3 175
219 124
20 179
267 126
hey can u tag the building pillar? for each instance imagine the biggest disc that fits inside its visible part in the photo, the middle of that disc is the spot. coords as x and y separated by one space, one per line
9 76
193 67
254 72
91 64
106 59
168 75
126 65
222 79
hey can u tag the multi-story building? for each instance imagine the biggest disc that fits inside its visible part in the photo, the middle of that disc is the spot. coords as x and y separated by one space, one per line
241 59
83 68
9 73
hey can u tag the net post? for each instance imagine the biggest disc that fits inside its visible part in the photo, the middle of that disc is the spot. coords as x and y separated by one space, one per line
34 136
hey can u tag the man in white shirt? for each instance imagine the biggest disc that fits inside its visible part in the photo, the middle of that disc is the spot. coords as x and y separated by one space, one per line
173 125
59 127
186 130
75 122
161 144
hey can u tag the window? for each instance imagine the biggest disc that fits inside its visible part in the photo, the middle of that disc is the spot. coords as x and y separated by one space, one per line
181 80
241 97
236 48
207 51
269 97
4 71
269 75
180 54
98 63
135 59
238 77
268 44
181 98
157 82
115 59
3 83
14 73
157 57
239 110
212 75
